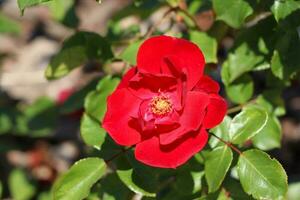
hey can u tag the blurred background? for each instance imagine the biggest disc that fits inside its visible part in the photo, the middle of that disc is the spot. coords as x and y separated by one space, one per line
40 119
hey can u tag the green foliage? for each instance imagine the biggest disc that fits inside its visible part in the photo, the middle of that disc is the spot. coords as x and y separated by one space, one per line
129 54
261 176
217 163
28 3
8 25
247 123
77 182
19 185
233 12
282 9
77 50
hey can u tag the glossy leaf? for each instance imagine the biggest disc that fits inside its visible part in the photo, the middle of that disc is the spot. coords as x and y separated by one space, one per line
222 131
270 136
207 44
76 51
249 122
216 165
261 176
91 132
233 12
77 182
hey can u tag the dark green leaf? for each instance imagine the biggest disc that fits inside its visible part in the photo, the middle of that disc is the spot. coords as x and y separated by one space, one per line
249 122
76 51
77 182
216 165
241 90
261 176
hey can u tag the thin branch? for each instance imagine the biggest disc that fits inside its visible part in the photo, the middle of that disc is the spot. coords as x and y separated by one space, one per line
227 143
239 107
118 154
191 17
154 27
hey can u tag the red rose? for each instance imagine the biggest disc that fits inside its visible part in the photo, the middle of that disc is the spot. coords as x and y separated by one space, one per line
165 104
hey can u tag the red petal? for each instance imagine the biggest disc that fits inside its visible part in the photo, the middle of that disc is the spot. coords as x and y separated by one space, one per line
208 85
126 78
153 52
122 106
191 118
216 111
152 153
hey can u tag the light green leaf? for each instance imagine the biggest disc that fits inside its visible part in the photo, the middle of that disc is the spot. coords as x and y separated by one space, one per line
95 101
261 176
76 51
281 9
77 182
28 3
249 122
8 25
216 165
270 136
19 186
91 132
130 52
241 90
222 131
207 44
294 191
233 12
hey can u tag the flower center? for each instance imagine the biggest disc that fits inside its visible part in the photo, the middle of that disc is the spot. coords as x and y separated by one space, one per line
160 105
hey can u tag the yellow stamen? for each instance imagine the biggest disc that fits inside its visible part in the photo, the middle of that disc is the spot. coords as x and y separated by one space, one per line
160 105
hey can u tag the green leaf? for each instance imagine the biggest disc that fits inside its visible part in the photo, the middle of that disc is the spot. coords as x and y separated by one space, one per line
28 3
241 60
64 12
233 12
249 122
130 52
207 44
1 189
76 51
241 90
216 165
270 136
137 177
281 9
19 186
91 132
6 123
95 101
8 25
261 176
293 191
222 131
77 182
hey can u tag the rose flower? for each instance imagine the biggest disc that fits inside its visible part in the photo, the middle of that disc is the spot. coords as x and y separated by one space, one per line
164 105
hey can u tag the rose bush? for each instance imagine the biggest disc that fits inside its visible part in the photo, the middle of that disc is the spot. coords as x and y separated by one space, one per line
165 104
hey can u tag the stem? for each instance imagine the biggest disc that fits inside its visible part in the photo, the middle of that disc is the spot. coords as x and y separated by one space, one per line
227 143
118 154
154 27
191 17
239 107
